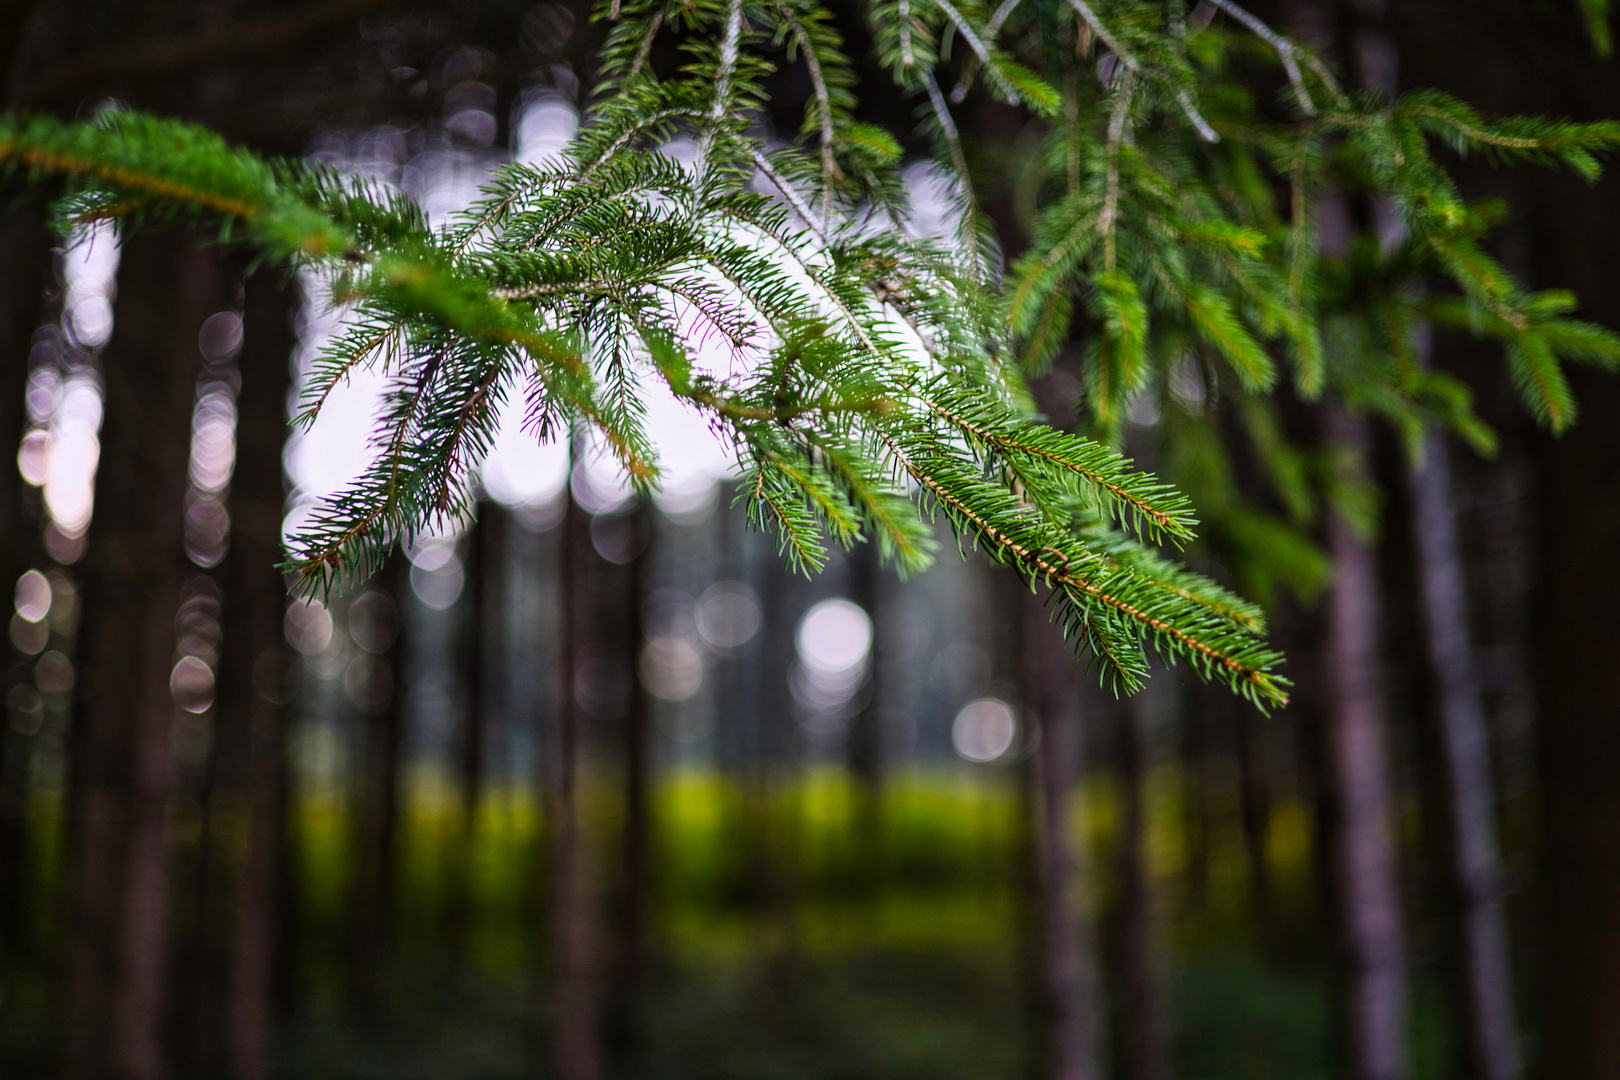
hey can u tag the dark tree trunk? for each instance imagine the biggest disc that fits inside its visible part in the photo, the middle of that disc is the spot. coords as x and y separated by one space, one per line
14 15
1194 752
1579 714
1138 1007
253 663
866 733
780 860
1050 691
1577 695
1254 780
117 961
25 274
485 558
1489 1037
376 826
1369 903
636 884
572 985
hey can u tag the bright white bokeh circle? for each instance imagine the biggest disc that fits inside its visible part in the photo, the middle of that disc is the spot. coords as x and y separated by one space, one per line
984 730
834 636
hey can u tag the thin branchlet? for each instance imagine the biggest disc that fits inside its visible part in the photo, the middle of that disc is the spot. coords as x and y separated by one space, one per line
1116 135
1285 52
1083 9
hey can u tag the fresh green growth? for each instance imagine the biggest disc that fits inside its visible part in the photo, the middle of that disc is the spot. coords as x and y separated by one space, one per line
880 385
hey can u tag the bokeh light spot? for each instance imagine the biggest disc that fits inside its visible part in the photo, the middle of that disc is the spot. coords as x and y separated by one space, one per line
983 730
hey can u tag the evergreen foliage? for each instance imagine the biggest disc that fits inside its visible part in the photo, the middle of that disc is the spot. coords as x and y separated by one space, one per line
1175 228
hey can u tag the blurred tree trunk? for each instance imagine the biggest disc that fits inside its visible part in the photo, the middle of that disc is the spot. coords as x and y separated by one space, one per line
780 861
117 960
1579 717
1364 873
1577 230
26 265
1356 808
1139 1041
1050 689
866 732
1254 781
1195 808
636 883
1490 1042
376 827
1488 1038
14 15
254 663
486 549
572 989
25 275
1534 59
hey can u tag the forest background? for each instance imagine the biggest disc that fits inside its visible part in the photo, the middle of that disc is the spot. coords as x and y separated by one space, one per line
799 862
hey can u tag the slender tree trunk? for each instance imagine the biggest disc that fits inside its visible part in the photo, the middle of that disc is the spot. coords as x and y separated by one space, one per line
117 964
781 860
1039 1030
1364 847
484 561
1138 1007
1577 696
1255 794
1579 742
1356 807
253 663
1491 1044
14 16
637 851
1195 806
377 824
1490 1037
25 273
866 735
573 992
1050 689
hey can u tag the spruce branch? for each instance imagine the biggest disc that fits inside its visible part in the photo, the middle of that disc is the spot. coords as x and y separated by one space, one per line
726 70
1284 48
1097 26
824 114
875 390
1116 134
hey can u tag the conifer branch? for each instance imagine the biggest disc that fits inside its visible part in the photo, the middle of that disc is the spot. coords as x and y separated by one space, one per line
726 70
792 197
1239 666
980 49
830 172
1164 510
645 48
1116 133
1083 9
880 391
999 17
1284 48
953 141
